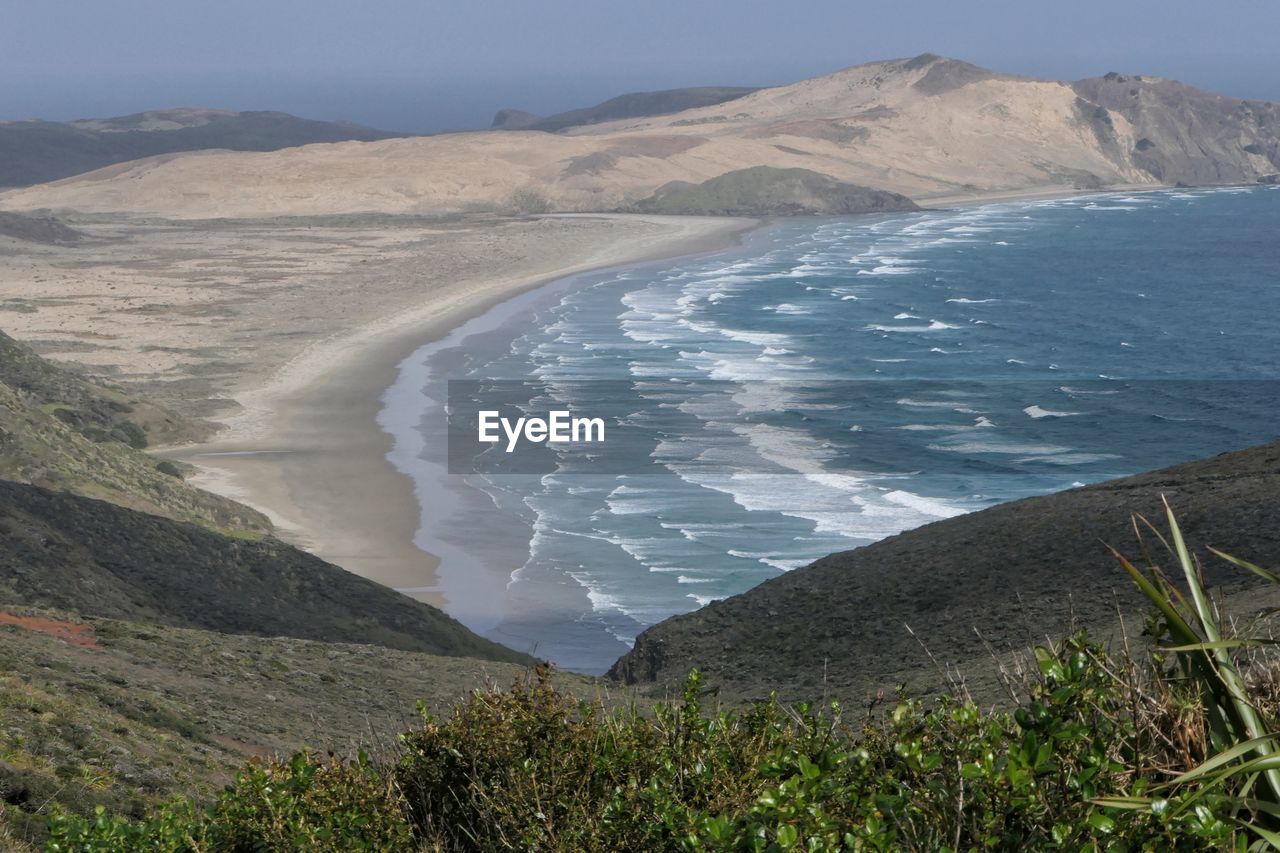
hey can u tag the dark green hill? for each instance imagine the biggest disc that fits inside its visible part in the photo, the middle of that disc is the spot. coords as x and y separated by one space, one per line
1014 574
33 152
70 553
634 105
768 191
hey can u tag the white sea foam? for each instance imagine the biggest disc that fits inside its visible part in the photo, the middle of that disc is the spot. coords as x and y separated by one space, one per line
1037 412
934 326
790 308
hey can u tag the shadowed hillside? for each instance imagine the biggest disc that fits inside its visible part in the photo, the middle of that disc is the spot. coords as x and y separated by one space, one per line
1183 134
765 191
89 557
1008 576
33 152
34 229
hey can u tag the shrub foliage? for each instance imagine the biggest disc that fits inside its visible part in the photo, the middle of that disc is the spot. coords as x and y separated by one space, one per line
1165 751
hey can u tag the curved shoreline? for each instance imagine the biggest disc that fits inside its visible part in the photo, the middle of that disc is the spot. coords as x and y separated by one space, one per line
305 450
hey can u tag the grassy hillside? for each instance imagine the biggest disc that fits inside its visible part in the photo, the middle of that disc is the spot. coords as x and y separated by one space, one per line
766 191
90 557
132 714
64 432
1101 750
1003 578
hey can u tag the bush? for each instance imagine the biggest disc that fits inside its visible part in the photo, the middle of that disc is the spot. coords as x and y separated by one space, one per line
305 804
1099 753
164 466
530 202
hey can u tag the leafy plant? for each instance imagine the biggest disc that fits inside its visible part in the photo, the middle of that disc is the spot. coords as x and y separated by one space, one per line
307 803
1162 751
1242 778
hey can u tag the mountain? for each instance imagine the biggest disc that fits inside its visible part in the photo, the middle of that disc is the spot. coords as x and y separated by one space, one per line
1179 134
633 105
929 128
967 587
33 152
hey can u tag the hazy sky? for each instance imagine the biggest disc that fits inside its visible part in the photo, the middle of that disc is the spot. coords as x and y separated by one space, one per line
429 64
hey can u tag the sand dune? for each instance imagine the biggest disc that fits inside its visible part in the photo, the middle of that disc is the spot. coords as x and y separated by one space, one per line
928 128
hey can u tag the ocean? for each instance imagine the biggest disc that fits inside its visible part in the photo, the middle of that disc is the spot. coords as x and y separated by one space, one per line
827 384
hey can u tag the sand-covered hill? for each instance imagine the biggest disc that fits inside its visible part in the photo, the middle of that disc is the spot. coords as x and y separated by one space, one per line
1000 579
928 128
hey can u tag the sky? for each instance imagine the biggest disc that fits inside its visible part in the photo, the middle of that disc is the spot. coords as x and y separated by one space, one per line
428 65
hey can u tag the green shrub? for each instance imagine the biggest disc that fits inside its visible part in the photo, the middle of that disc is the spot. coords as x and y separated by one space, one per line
305 804
1100 752
164 466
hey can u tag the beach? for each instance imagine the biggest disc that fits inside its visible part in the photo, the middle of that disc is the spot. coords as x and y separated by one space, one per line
304 446
286 333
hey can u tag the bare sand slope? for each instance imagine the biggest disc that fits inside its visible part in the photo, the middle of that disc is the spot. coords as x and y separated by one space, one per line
929 128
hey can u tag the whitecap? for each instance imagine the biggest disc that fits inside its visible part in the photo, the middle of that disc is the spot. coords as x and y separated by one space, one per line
1037 412
934 326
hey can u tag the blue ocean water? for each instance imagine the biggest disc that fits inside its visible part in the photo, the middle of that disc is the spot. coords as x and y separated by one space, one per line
833 382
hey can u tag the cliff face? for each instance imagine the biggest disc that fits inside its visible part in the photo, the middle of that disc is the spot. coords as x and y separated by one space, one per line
1182 134
1002 578
927 128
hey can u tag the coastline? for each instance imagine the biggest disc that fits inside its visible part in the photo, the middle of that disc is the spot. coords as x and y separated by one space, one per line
305 447
302 450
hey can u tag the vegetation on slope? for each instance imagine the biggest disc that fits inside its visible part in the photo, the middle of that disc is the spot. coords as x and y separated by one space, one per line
64 432
33 152
63 551
768 191
1102 751
130 715
853 623
37 229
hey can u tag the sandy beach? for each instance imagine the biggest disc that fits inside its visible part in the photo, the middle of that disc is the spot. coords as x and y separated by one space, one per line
304 447
285 334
